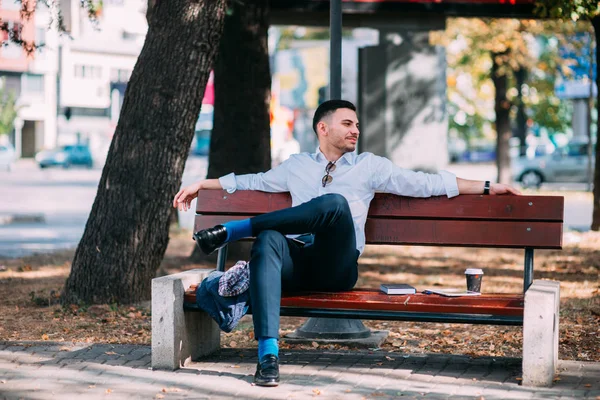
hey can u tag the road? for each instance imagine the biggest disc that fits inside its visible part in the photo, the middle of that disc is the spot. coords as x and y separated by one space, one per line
46 210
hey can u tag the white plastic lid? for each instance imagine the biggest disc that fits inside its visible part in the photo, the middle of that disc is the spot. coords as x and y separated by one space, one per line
473 271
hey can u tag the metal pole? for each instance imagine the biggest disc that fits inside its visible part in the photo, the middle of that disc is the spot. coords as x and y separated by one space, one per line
528 270
323 329
335 49
590 147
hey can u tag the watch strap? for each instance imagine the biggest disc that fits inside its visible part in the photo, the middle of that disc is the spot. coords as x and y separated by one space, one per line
486 187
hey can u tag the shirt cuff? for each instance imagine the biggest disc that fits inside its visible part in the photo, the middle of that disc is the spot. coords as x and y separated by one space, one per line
449 180
228 182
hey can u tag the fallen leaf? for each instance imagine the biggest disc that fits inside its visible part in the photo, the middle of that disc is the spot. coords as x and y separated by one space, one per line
389 358
108 391
315 345
91 386
64 348
159 396
588 385
233 344
316 391
519 379
110 353
44 337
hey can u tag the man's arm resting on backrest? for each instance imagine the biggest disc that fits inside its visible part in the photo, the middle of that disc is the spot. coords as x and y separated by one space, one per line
466 186
183 198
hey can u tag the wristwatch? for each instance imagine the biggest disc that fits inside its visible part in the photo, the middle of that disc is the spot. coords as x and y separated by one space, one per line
486 187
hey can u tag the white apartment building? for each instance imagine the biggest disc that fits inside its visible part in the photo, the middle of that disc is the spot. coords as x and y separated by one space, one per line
94 67
66 89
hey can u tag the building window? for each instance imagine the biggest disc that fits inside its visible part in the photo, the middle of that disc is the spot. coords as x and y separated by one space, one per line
120 75
87 71
40 36
10 31
33 84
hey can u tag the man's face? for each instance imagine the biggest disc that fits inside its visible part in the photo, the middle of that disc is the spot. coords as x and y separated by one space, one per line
340 130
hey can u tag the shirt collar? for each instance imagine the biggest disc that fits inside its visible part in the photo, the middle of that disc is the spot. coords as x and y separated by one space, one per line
350 158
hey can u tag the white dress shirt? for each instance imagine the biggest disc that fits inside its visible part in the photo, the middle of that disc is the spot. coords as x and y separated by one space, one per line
356 177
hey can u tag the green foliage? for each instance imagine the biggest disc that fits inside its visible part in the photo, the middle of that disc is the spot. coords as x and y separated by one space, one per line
544 108
8 110
471 44
567 9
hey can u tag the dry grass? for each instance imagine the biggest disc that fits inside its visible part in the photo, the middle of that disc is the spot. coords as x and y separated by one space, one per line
30 286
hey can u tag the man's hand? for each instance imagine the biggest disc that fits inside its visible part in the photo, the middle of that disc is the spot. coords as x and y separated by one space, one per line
499 188
183 198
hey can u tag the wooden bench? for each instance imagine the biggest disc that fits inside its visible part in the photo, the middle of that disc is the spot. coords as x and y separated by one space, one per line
527 222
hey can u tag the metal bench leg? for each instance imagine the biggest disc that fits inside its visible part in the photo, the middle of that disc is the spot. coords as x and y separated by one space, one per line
528 270
221 258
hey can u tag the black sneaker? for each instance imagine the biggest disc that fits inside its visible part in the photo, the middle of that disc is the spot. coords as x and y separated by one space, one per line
211 239
267 371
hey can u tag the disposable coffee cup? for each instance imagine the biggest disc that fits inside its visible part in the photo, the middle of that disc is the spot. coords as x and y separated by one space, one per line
474 277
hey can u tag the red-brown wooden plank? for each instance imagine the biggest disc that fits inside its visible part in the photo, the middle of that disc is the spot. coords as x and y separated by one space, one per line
374 300
538 235
534 208
506 234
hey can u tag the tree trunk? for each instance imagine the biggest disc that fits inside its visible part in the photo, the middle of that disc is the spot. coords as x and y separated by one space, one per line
596 213
503 132
521 131
126 234
240 140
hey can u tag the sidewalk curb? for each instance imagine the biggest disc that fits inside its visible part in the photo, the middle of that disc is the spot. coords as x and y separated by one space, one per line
8 219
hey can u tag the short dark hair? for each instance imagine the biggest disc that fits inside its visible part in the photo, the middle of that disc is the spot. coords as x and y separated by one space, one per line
329 107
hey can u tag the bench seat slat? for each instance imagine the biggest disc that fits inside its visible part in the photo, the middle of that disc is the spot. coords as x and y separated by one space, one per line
372 300
507 234
520 208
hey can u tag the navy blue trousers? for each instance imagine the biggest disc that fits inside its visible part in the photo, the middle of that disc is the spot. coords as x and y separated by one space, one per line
328 262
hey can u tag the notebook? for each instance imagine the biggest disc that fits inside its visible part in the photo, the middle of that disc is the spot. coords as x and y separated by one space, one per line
397 288
451 292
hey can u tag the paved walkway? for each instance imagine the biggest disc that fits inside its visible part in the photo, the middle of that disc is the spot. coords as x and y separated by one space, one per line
43 370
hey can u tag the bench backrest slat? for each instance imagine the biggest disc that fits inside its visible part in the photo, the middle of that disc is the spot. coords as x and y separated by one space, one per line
526 208
466 220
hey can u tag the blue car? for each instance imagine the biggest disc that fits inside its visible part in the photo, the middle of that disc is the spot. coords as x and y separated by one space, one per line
66 157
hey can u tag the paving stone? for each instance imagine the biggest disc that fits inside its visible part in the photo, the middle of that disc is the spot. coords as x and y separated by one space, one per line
347 375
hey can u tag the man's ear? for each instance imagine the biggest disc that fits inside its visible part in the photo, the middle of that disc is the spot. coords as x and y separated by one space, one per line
322 127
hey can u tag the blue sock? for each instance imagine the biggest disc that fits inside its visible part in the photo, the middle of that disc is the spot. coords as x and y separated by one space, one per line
267 345
238 229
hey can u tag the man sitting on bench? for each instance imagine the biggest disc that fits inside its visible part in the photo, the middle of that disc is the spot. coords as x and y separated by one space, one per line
331 191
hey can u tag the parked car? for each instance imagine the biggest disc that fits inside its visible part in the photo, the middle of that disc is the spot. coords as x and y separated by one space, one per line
66 156
565 164
7 157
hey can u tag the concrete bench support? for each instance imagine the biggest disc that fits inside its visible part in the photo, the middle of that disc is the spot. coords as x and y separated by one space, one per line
540 333
179 337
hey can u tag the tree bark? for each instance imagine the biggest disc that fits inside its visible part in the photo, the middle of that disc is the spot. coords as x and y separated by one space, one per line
503 131
240 140
126 234
596 213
